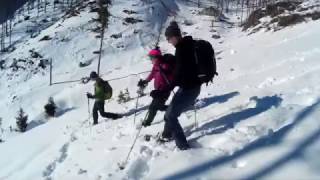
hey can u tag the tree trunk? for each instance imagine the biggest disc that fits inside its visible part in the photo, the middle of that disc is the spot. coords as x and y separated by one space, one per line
45 6
2 37
38 7
10 31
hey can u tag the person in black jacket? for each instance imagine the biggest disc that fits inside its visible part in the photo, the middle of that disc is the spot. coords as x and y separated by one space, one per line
186 78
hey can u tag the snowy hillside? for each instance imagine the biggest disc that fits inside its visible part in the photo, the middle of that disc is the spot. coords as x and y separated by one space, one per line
258 120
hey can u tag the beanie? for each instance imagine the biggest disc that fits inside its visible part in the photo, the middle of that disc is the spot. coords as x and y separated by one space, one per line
155 52
93 75
173 30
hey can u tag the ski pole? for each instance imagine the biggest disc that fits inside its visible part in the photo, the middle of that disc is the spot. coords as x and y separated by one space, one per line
123 165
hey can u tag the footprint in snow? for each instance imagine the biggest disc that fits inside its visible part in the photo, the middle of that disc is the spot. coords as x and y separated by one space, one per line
146 151
82 171
138 169
49 170
239 164
118 136
110 149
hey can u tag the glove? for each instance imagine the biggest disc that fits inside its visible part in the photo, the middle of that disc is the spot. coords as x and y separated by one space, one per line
142 83
89 95
155 93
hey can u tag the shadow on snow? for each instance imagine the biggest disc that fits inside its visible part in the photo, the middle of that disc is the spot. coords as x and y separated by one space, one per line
271 140
224 123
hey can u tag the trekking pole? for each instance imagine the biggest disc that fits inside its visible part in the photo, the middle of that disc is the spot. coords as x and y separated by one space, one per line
123 165
139 92
88 110
89 116
195 116
135 111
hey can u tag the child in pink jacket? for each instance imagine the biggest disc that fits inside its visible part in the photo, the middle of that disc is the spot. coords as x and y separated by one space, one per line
162 74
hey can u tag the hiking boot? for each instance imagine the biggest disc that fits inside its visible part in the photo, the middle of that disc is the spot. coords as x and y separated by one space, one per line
184 147
164 108
146 123
163 139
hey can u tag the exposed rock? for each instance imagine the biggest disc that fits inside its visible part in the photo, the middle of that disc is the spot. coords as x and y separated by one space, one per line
45 38
314 16
188 22
35 54
271 10
2 64
215 36
282 14
210 11
129 12
290 20
131 20
84 64
116 36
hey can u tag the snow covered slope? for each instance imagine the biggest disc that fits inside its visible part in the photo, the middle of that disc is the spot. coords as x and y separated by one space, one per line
258 120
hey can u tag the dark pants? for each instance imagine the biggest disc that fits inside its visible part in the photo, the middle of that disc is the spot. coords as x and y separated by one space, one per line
181 101
99 106
157 104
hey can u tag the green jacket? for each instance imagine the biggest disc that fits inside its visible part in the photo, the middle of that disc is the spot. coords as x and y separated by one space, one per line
102 90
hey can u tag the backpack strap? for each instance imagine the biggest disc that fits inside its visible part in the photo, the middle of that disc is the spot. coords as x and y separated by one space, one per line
195 47
163 75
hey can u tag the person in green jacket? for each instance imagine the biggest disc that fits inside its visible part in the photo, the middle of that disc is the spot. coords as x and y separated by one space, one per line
102 92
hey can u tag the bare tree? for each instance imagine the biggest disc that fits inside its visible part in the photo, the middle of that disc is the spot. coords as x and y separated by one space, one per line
103 14
38 6
45 6
2 42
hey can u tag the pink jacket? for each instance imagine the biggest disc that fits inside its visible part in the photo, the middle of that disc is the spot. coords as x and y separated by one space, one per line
160 82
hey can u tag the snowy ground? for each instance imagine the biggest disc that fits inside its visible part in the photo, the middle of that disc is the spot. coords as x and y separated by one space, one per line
258 120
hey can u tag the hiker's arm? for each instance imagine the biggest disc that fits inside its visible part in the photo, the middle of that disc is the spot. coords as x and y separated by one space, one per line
151 75
89 95
177 69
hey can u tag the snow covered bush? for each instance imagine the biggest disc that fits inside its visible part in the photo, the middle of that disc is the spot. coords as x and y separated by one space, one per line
50 107
22 119
120 97
124 97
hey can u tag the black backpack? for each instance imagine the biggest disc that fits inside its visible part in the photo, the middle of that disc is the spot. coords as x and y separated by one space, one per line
169 59
205 60
107 89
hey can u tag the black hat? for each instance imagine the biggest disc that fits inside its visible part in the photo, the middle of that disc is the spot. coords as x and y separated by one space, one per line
173 30
93 75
